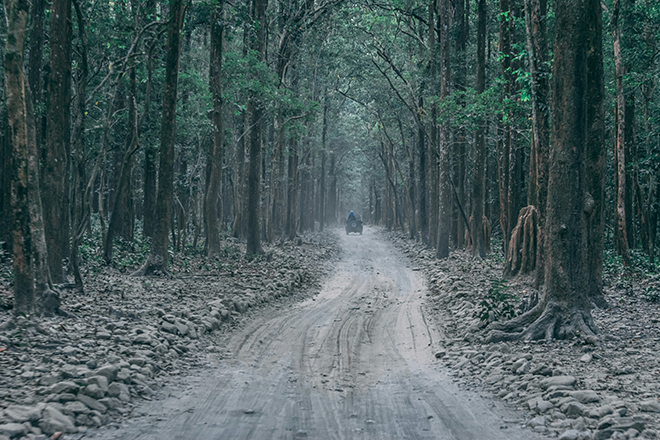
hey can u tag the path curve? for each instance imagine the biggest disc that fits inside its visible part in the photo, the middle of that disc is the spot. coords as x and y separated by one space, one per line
354 362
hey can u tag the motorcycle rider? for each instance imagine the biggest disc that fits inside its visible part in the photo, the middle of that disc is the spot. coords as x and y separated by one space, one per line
351 216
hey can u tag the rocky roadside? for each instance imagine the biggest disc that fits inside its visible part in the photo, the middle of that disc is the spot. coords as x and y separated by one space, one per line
126 337
586 390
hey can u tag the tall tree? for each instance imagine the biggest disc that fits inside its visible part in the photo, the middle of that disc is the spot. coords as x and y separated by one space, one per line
215 169
444 178
479 167
157 260
56 161
619 139
17 12
564 310
256 112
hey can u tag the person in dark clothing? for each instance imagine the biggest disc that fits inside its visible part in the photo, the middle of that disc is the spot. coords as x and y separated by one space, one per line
351 216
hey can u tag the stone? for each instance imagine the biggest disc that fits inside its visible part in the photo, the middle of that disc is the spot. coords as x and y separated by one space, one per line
573 409
111 403
109 371
13 430
22 414
94 391
64 387
168 327
585 396
571 434
182 327
70 351
137 361
565 381
652 406
120 391
77 407
53 421
100 381
586 358
142 339
103 336
124 375
92 403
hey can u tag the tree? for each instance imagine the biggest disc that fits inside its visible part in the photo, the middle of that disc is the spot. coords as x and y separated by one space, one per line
215 158
564 310
478 178
24 301
158 256
256 113
56 162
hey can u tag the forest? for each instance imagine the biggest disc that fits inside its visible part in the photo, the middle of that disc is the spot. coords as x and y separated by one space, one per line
528 126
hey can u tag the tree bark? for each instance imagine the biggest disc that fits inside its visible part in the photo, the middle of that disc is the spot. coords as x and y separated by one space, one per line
444 219
479 167
256 112
564 310
157 260
619 149
17 12
55 167
596 154
215 169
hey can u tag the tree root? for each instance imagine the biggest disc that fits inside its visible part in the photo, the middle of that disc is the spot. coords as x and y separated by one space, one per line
154 263
554 322
48 302
521 253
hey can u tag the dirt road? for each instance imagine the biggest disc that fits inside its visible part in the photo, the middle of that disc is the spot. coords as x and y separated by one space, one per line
354 362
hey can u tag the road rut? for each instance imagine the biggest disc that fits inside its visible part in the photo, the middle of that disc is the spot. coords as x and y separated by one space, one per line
354 362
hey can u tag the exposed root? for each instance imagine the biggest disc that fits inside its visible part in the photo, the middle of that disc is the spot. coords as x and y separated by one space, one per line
155 263
521 252
469 242
555 322
48 302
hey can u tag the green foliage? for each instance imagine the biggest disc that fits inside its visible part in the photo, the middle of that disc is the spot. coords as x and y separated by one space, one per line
498 301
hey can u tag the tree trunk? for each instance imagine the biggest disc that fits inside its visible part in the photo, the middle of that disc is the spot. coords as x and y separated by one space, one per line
564 310
55 166
256 112
619 149
17 12
444 219
122 219
35 65
215 169
331 215
479 168
292 198
596 154
421 145
157 260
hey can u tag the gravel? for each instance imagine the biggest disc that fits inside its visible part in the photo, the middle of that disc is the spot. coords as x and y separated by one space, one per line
603 388
125 337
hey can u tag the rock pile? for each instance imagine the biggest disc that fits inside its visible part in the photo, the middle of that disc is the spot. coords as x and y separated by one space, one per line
577 389
124 337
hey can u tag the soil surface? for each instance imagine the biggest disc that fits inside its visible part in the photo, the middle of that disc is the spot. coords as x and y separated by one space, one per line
355 361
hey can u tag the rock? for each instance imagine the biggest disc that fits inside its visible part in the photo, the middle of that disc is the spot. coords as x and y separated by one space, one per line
64 387
440 354
565 381
137 361
124 375
109 371
103 336
92 403
571 434
22 414
652 406
168 327
111 403
53 421
70 351
120 391
94 391
585 396
77 407
100 381
144 339
182 327
13 430
536 421
586 358
573 409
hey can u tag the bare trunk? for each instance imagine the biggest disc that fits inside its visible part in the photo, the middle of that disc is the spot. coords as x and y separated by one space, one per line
158 257
55 166
479 168
215 168
620 156
24 300
444 177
